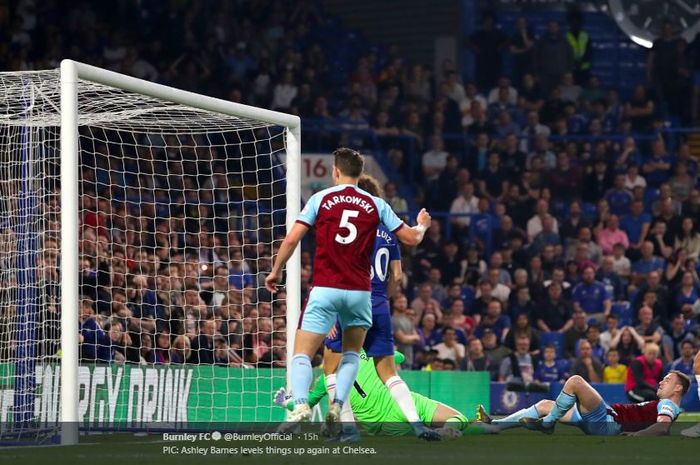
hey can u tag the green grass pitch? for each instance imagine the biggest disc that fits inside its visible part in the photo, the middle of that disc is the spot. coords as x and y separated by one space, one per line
567 446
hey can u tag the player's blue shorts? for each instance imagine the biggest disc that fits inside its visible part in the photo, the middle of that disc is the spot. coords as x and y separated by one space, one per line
597 422
327 305
380 337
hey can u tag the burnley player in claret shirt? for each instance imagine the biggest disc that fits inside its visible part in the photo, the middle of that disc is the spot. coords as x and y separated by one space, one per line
346 219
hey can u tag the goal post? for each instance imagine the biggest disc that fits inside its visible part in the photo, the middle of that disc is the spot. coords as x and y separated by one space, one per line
130 123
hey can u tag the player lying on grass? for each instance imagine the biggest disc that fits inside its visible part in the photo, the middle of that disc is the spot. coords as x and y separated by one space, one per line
386 273
377 412
579 404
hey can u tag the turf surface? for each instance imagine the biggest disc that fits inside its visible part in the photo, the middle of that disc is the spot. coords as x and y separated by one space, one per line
567 446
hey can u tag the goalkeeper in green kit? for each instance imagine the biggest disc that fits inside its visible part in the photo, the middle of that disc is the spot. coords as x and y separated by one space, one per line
377 412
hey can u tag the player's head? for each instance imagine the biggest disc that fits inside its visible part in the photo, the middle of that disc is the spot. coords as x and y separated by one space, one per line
675 382
347 163
370 184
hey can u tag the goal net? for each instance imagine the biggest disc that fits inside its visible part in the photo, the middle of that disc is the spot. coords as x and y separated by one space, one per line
136 228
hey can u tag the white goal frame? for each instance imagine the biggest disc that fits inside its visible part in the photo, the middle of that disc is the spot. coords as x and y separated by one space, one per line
73 71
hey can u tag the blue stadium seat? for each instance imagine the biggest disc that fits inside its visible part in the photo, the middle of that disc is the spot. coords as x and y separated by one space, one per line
622 310
564 365
553 338
589 211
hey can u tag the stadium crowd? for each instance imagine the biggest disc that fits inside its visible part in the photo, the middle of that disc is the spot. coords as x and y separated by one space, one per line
572 242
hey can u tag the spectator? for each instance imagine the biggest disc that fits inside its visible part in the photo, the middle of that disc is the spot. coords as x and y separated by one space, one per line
548 370
428 332
522 327
404 330
494 351
535 224
494 320
636 225
684 363
575 333
678 333
476 359
657 166
553 57
555 313
398 204
522 44
465 205
612 235
487 44
449 347
644 375
611 330
628 343
611 280
593 338
203 345
547 236
423 300
647 328
619 197
591 296
586 365
621 264
434 160
647 263
688 239
614 371
519 366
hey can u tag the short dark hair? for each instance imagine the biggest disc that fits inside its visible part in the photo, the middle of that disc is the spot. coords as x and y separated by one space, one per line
371 185
683 380
551 346
349 162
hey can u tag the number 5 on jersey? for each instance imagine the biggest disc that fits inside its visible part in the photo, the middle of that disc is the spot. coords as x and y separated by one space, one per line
346 224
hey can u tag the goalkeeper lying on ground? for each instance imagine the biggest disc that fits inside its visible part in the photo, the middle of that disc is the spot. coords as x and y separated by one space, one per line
376 411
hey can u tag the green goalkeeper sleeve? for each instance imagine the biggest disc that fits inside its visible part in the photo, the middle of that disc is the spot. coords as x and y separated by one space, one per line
315 396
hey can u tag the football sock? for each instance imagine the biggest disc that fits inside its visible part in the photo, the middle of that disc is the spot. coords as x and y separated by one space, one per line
512 420
458 422
346 416
330 386
345 376
302 375
562 405
399 391
697 378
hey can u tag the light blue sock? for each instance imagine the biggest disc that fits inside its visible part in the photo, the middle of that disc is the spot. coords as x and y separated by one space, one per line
345 375
302 375
512 420
562 405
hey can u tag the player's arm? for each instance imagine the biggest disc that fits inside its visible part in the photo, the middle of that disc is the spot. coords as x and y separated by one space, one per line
413 236
662 427
285 252
395 274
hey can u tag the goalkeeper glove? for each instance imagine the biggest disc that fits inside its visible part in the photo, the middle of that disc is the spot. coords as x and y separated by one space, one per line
281 397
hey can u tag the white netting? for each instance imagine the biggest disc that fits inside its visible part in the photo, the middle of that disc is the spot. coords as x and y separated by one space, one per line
180 209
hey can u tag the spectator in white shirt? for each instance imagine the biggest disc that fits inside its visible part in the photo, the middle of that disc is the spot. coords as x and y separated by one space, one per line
284 93
504 83
434 160
449 347
534 225
466 202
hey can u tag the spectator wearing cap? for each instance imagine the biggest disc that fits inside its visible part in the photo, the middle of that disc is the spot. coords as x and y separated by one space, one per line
591 296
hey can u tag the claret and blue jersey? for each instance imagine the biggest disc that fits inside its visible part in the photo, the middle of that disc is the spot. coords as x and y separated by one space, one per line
346 219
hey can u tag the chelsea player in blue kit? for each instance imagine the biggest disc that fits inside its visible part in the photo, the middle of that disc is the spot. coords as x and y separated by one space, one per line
379 343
